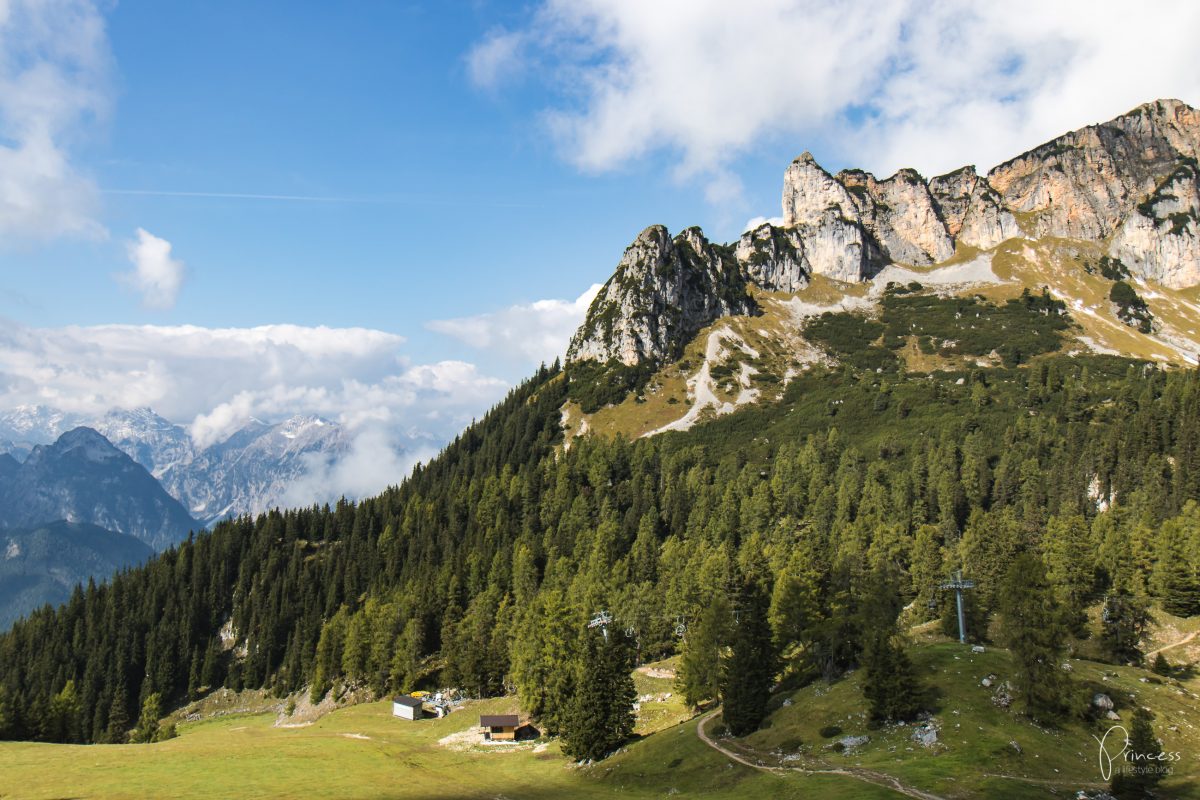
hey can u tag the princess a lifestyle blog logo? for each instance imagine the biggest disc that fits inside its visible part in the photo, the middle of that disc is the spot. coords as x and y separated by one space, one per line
1132 762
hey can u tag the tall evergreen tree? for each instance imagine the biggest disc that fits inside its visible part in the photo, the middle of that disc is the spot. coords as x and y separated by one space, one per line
889 683
600 714
699 674
1033 632
749 673
1142 770
1123 620
1175 578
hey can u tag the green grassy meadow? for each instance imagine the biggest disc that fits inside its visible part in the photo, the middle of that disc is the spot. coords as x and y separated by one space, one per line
363 752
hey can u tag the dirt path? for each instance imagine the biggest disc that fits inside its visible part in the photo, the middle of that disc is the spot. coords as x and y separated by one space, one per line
1182 641
857 773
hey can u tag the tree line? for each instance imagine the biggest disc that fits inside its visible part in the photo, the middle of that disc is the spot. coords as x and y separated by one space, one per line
775 527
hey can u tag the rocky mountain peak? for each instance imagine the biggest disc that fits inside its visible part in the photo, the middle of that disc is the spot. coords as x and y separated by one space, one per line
663 292
1129 184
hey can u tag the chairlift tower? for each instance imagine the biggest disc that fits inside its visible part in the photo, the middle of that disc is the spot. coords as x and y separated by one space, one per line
601 620
958 586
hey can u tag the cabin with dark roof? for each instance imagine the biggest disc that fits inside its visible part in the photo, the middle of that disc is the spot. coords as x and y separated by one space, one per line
406 707
499 727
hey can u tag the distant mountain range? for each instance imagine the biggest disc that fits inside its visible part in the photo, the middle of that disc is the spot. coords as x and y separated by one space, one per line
248 472
43 564
82 477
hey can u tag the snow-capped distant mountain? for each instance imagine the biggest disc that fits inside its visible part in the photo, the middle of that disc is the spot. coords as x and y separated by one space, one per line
24 427
252 470
249 472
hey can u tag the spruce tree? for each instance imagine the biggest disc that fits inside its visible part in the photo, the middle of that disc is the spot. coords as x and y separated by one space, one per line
1142 770
1175 576
749 673
118 717
699 675
889 684
1123 620
600 715
1033 632
1161 666
147 724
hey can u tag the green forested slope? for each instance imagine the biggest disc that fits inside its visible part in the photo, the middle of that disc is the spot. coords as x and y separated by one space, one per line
486 564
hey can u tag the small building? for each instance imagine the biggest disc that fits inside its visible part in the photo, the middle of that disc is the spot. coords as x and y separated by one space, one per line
499 727
406 707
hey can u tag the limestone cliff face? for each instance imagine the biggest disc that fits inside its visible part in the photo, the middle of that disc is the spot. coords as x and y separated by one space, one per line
774 258
1131 184
823 213
1160 240
1084 185
901 216
973 212
663 292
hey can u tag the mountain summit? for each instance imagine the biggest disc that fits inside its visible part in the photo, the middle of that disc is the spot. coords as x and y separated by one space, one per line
1126 188
1099 227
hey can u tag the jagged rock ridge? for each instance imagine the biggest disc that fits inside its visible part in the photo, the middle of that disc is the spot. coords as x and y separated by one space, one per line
1130 184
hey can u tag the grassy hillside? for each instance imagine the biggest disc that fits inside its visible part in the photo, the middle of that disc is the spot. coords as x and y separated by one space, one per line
363 752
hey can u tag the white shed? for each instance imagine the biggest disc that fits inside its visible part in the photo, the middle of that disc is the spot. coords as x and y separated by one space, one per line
406 707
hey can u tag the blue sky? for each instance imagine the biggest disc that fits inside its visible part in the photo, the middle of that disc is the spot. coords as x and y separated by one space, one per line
387 213
445 199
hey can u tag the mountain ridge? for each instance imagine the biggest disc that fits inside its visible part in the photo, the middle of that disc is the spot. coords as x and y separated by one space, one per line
1127 186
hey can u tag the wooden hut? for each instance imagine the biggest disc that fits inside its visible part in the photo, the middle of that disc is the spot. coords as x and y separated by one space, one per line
499 727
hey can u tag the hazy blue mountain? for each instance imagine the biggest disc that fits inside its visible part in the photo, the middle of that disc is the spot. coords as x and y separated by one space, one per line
82 477
43 564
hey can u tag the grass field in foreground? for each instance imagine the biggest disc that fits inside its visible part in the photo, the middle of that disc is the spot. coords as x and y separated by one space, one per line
363 752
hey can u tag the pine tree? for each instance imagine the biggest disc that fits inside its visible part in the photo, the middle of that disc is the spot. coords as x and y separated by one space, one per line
118 717
1033 632
1175 576
749 673
1123 620
62 722
147 724
699 675
889 684
1142 770
1161 665
600 714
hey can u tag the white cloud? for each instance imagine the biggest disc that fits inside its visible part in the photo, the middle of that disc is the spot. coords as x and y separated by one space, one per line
933 84
495 58
54 64
216 379
534 333
155 274
757 222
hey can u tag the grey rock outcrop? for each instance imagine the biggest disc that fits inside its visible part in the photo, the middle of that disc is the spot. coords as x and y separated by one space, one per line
900 214
663 292
1082 185
773 258
972 210
826 217
1160 240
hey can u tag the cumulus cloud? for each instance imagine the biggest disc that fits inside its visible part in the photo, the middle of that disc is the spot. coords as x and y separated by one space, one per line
54 64
534 333
217 379
757 222
933 84
155 274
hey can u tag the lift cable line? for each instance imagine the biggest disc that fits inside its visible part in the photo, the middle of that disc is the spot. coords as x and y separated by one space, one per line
958 586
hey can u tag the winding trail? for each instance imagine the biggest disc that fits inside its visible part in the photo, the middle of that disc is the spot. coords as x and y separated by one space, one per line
857 773
1182 641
